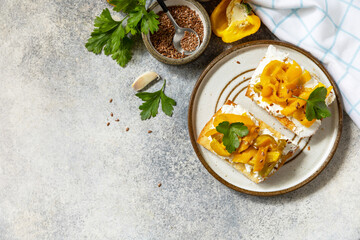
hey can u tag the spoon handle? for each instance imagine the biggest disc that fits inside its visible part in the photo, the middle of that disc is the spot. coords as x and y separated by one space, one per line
163 5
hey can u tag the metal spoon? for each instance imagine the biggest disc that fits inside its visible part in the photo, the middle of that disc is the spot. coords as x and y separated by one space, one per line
179 32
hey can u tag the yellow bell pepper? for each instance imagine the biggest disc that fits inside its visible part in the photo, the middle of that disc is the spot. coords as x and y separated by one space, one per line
233 20
245 156
219 148
231 118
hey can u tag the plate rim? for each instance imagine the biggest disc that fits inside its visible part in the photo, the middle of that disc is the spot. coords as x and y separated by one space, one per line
201 78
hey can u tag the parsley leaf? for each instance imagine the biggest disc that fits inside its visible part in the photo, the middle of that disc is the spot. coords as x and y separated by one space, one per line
105 22
135 17
123 54
151 103
315 105
232 132
124 5
149 23
115 38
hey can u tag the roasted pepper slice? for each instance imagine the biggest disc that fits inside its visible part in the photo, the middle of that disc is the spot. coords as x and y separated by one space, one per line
233 20
248 139
231 118
219 148
260 158
245 156
265 140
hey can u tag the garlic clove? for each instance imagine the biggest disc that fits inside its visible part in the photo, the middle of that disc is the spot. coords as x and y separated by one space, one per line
144 79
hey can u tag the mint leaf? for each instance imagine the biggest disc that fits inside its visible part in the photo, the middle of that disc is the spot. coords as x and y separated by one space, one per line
232 132
151 103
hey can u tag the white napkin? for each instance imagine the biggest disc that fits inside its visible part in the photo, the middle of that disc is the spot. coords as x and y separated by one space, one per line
330 30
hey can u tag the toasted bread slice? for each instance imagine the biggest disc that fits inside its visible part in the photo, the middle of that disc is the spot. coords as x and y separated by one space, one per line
263 129
299 126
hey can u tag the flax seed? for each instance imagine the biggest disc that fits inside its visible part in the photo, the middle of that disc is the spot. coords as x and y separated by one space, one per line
162 40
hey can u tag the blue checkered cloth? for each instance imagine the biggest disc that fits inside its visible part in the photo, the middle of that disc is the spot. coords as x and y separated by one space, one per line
330 30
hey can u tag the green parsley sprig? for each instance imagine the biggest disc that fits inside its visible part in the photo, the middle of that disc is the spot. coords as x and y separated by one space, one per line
315 104
232 132
151 103
115 37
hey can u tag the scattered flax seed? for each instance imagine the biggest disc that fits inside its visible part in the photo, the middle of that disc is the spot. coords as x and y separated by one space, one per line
261 160
127 129
277 111
237 62
110 100
262 154
159 185
116 120
162 40
149 131
111 114
251 157
309 148
108 124
271 104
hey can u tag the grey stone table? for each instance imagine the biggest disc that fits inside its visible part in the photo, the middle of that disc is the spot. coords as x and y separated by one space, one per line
65 174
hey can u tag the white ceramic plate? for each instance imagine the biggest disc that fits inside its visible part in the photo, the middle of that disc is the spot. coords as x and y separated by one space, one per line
226 77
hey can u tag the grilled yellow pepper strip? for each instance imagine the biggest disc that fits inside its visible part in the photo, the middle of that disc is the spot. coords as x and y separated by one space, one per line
233 20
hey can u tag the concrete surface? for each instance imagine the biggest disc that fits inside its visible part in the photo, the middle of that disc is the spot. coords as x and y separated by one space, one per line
64 174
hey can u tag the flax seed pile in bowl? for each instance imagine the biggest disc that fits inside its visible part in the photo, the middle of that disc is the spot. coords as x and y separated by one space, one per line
187 14
162 40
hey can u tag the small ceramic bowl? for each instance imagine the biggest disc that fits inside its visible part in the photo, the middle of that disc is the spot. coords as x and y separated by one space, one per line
193 5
